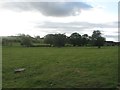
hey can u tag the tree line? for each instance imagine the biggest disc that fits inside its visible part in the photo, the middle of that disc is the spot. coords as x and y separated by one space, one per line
75 39
59 40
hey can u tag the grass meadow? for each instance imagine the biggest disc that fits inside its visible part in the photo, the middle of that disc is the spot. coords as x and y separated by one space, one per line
67 67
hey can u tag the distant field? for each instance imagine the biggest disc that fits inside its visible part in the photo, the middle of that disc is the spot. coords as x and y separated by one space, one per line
68 67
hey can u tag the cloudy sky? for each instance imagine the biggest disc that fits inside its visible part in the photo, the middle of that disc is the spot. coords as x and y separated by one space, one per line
41 18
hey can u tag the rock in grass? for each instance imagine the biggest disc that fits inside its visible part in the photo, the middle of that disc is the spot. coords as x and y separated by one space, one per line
19 70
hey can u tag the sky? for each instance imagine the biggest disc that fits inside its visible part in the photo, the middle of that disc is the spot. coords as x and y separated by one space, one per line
42 18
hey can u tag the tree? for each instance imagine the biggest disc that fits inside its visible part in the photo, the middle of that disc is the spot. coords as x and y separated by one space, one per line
48 39
96 34
97 39
36 39
75 39
59 40
85 39
100 41
26 40
7 42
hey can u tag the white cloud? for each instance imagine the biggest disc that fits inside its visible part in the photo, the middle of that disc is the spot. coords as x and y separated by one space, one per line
12 23
96 15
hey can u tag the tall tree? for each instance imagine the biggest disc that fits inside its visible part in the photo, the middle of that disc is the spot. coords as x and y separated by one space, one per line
85 39
100 41
59 40
97 39
75 39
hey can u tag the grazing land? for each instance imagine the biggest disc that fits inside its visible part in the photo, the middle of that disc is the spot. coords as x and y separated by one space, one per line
69 67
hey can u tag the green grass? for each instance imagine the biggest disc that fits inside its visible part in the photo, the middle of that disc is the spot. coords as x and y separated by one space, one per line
67 67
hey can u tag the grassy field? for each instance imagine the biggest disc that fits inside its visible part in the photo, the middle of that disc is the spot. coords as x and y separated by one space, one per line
67 67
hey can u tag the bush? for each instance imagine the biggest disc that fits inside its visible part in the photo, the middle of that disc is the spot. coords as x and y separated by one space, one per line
68 45
41 45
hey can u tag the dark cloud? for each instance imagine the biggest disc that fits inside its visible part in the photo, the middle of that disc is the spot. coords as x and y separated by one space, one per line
57 9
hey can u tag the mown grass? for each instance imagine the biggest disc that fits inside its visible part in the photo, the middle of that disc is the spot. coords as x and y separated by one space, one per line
67 67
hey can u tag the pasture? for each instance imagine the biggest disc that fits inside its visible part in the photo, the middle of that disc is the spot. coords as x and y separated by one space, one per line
67 67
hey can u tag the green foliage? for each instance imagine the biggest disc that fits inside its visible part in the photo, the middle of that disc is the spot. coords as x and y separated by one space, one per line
85 39
10 40
26 40
6 42
49 39
96 34
41 45
70 67
97 39
100 41
58 40
75 39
